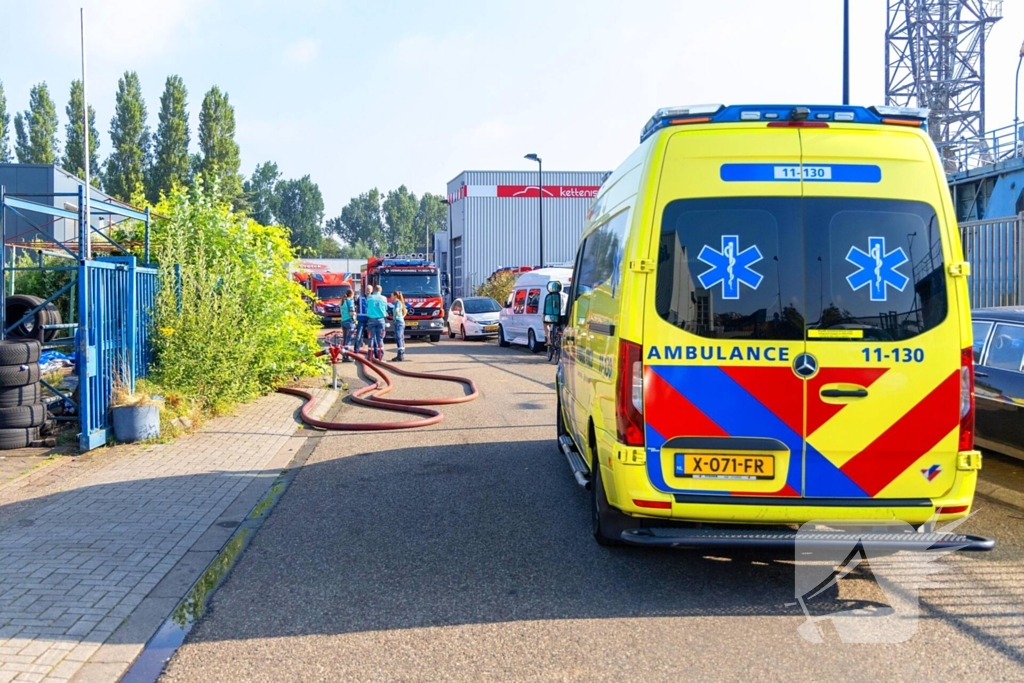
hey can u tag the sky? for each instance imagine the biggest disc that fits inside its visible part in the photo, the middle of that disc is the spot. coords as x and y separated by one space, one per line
383 93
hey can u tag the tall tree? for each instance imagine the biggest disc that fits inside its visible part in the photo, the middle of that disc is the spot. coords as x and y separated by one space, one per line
5 129
171 163
400 207
128 163
220 162
432 217
36 129
260 193
74 140
361 222
300 206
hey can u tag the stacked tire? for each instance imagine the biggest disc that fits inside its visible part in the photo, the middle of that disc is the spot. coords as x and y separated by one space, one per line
18 305
22 412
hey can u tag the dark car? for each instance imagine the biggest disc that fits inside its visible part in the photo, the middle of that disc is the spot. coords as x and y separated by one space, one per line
999 379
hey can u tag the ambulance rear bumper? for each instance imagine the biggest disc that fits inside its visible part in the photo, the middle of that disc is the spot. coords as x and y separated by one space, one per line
785 539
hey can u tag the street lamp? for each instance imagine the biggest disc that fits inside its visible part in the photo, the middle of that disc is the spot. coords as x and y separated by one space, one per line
451 252
1016 92
540 200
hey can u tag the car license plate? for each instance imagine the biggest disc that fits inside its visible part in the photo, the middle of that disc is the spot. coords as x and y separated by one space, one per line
490 328
412 323
742 467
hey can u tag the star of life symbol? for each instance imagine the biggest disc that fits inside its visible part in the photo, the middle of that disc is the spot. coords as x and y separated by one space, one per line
877 269
730 266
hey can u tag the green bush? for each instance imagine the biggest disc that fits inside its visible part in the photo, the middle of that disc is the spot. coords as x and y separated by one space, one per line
499 286
230 322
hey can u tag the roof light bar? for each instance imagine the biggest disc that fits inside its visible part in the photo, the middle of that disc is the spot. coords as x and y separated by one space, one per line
665 114
793 116
906 112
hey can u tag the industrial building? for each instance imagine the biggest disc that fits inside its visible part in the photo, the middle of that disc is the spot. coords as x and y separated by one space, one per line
494 219
49 184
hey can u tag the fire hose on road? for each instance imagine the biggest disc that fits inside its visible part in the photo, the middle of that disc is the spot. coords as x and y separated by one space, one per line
371 396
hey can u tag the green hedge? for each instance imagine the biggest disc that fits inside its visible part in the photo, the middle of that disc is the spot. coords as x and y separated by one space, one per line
230 323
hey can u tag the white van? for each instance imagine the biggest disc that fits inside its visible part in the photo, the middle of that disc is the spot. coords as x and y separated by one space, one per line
522 319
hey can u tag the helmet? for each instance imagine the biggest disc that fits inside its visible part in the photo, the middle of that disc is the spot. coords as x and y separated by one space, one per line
554 286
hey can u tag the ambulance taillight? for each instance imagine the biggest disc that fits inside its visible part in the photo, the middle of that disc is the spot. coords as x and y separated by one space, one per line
966 400
629 396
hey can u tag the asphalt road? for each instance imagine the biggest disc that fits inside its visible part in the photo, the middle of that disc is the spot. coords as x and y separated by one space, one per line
462 553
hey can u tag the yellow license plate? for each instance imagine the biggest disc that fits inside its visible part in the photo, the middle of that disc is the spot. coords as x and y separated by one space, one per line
714 466
490 328
412 323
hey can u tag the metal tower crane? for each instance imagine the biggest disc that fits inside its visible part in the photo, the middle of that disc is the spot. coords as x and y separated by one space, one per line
935 58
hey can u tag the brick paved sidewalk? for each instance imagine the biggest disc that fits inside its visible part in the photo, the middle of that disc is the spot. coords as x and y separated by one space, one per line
103 559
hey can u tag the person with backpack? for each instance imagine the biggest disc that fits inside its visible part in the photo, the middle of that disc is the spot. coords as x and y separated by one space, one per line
348 322
398 311
376 312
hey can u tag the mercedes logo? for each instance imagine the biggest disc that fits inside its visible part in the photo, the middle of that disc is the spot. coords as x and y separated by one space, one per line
805 365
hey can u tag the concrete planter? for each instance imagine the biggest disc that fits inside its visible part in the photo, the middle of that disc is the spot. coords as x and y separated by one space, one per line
136 423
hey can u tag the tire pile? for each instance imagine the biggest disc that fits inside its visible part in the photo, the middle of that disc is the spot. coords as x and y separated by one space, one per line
22 412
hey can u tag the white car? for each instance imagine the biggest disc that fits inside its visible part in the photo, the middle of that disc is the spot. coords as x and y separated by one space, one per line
473 316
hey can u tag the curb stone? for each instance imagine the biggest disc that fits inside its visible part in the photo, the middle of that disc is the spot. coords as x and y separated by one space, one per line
999 494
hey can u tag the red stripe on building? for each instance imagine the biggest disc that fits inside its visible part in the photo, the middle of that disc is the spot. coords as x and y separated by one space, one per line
550 191
913 435
670 414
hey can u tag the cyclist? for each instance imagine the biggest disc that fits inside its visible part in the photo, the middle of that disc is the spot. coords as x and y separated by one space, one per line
554 304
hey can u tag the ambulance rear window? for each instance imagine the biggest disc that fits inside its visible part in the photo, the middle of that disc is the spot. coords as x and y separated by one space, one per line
732 267
874 267
846 269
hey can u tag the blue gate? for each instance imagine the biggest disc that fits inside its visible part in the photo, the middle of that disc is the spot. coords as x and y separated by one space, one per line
116 299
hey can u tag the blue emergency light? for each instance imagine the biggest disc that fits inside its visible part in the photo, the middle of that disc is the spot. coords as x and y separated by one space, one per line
784 115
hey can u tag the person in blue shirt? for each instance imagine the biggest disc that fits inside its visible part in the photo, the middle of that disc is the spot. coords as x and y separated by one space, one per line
376 312
348 322
398 311
360 322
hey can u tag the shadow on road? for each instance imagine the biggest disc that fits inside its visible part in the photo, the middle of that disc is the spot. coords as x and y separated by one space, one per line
484 533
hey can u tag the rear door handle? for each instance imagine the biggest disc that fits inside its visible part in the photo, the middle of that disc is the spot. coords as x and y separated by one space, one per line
844 393
980 374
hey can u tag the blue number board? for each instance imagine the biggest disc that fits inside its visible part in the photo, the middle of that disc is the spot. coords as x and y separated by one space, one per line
814 173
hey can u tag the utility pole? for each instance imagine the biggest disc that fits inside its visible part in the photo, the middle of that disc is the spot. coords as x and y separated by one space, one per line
846 51
86 247
540 200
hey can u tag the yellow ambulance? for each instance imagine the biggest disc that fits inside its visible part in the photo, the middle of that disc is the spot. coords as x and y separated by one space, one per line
768 325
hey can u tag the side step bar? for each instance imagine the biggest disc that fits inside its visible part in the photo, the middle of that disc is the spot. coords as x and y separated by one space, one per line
785 538
576 464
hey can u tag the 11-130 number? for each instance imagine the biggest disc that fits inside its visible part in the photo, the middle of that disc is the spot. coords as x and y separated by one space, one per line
897 355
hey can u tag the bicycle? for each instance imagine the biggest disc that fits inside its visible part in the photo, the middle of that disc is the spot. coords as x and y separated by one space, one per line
554 343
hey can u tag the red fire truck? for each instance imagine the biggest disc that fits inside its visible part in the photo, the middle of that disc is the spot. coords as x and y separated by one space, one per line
419 281
326 291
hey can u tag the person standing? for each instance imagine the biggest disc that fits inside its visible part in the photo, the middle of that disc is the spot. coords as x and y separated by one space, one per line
376 312
348 322
360 322
398 311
